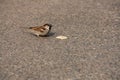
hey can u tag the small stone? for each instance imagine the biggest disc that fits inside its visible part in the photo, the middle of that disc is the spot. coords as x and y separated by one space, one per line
61 37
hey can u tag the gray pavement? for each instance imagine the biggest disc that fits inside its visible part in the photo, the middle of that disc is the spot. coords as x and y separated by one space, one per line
91 52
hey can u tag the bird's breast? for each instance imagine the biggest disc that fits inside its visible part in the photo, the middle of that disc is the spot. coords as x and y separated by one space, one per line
42 33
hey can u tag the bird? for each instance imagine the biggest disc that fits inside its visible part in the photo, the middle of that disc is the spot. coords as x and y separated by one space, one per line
42 31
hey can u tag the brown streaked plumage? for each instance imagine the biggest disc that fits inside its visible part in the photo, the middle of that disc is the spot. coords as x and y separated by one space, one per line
41 30
38 28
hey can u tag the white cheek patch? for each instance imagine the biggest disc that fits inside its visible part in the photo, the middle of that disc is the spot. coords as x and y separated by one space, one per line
47 27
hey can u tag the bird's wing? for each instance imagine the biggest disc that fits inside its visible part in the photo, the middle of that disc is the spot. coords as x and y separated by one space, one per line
40 28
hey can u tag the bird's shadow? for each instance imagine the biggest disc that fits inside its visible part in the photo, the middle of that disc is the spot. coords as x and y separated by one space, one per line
50 34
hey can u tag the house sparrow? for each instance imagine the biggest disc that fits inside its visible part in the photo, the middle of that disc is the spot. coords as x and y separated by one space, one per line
41 30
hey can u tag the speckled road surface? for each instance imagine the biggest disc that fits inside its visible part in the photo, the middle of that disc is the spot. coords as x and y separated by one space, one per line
91 52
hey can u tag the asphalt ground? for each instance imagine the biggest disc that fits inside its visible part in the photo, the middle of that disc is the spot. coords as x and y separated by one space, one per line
91 52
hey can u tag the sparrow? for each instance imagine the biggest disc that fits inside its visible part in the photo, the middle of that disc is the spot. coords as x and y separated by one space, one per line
41 30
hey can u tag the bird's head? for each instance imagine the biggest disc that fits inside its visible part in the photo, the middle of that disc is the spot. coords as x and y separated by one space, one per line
48 26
